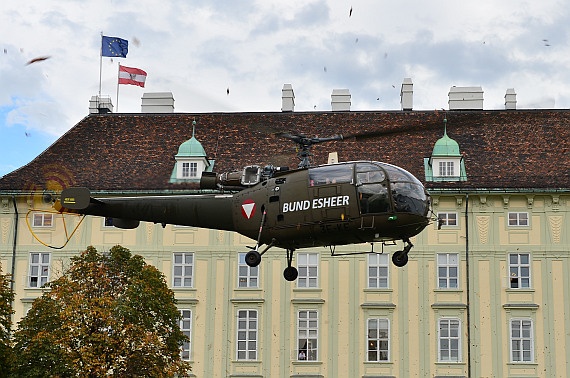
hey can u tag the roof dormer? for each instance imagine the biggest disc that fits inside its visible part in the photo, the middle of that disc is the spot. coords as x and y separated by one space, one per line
445 163
191 161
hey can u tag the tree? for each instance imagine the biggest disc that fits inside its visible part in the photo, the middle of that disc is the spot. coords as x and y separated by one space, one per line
108 315
6 298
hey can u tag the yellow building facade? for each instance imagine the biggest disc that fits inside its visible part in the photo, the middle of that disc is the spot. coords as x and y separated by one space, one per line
485 293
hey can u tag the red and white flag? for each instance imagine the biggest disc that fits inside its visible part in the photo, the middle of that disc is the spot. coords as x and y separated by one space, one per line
129 75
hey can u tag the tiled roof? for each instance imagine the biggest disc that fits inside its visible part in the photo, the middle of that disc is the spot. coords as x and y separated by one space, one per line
522 149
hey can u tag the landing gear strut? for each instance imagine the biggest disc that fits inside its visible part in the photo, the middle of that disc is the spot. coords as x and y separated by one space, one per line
400 258
290 273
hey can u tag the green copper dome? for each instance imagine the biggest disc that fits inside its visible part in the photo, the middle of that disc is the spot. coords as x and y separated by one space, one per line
191 148
445 146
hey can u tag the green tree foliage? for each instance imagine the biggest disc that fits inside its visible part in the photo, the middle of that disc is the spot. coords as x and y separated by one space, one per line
6 298
108 315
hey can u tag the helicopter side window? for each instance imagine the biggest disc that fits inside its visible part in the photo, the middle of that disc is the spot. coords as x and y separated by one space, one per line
330 174
368 173
372 190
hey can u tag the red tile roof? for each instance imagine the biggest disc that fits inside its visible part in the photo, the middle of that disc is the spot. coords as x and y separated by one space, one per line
522 149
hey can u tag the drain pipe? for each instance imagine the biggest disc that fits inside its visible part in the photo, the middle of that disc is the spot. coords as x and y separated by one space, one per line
14 250
468 287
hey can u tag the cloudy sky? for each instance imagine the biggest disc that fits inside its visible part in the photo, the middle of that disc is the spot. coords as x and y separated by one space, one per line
199 49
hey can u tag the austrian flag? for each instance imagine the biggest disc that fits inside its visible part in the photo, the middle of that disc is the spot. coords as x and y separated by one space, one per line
129 75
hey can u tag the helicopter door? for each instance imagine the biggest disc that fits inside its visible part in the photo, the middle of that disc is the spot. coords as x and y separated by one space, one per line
331 190
372 188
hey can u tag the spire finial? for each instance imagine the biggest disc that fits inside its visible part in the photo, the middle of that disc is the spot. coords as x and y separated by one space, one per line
445 126
193 128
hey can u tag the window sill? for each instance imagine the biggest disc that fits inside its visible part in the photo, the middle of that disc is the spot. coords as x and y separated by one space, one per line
521 364
375 363
297 362
450 363
378 290
448 290
183 289
521 290
307 290
248 289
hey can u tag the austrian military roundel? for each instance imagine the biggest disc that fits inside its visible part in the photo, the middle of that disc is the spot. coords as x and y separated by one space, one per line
248 208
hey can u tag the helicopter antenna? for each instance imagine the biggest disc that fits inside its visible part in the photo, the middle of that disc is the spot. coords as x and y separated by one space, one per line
304 143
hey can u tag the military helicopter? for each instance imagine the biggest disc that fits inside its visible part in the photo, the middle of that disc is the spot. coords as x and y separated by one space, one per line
328 205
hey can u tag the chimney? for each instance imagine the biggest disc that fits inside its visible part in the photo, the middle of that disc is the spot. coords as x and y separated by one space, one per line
407 94
510 99
466 98
340 100
288 98
100 105
157 102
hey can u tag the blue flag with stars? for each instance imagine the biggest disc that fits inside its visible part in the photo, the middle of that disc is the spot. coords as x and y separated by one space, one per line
114 47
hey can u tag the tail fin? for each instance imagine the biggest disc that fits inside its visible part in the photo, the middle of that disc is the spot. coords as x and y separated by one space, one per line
76 198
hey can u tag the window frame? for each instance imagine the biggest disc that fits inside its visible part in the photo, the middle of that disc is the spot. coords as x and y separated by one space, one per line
247 331
519 266
378 339
183 265
521 339
42 223
40 266
249 276
378 266
446 218
187 331
449 338
518 219
312 353
308 266
447 266
448 168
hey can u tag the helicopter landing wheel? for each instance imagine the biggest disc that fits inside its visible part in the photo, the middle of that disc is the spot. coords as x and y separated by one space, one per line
290 273
252 258
400 258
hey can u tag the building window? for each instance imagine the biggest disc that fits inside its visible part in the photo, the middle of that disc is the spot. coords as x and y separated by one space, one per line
519 270
108 222
42 220
39 269
183 269
446 169
518 219
447 270
447 219
308 332
522 348
378 340
449 339
185 169
193 169
186 328
247 275
247 335
307 264
378 268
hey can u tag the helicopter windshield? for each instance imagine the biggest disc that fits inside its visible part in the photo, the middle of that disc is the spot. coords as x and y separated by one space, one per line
408 192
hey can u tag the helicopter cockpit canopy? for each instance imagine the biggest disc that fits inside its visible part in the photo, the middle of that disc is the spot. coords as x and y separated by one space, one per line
376 184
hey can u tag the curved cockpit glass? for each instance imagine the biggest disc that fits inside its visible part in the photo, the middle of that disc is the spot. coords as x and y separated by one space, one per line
381 187
408 192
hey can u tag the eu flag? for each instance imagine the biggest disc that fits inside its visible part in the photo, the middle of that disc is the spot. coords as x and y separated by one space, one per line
114 47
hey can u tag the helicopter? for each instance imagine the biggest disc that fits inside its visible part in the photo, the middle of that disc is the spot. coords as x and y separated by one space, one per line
327 205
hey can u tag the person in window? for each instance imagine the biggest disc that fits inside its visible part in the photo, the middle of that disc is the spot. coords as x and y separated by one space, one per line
302 355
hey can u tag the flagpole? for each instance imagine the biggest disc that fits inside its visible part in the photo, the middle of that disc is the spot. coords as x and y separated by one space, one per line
100 69
118 76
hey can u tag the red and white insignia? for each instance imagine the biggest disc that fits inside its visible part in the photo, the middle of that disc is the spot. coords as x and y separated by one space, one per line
248 208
